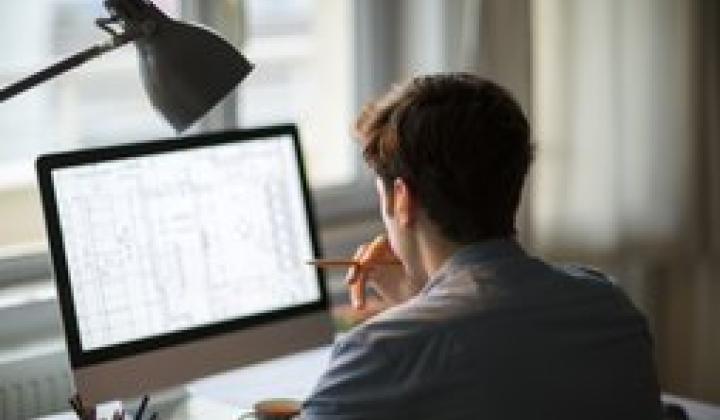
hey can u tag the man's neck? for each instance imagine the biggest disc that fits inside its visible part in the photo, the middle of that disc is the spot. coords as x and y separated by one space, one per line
434 249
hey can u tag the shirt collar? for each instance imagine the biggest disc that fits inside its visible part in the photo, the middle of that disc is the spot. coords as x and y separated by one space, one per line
475 253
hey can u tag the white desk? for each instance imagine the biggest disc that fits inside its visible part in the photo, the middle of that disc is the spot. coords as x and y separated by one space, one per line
288 377
294 377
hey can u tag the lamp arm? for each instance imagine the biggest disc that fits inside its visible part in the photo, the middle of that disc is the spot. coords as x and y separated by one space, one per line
62 66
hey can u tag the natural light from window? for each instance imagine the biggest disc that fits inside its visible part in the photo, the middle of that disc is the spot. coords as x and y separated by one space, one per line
301 49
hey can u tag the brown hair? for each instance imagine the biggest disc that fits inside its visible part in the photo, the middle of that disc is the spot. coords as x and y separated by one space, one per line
460 142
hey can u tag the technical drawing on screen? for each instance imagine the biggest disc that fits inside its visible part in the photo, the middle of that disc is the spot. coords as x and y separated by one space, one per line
182 250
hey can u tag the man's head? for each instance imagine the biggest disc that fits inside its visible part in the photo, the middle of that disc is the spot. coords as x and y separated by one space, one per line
458 144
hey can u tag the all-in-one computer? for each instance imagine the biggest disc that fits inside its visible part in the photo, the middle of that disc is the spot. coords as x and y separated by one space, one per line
175 259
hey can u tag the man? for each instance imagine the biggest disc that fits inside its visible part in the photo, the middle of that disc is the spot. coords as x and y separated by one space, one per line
477 329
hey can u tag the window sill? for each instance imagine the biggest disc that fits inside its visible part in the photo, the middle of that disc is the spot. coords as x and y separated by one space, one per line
26 292
21 262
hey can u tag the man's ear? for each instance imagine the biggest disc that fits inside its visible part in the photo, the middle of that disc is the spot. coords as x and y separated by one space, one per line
404 203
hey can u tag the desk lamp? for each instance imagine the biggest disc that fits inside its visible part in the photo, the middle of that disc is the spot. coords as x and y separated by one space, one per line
186 69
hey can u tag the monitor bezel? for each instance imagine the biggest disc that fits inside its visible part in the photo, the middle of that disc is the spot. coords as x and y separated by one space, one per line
46 164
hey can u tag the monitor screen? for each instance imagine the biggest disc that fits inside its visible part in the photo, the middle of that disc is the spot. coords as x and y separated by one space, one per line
187 249
171 241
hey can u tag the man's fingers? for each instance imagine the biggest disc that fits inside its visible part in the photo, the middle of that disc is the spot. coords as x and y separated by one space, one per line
357 275
354 270
357 291
356 279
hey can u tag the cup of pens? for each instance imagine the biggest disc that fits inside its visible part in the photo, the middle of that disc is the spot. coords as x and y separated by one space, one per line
90 412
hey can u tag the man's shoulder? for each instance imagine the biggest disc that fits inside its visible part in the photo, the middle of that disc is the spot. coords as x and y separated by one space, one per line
482 290
527 328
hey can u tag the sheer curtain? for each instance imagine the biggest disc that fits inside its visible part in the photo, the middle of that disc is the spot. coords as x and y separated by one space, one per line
614 93
626 118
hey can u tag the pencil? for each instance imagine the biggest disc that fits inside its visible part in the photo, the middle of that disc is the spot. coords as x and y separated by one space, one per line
340 262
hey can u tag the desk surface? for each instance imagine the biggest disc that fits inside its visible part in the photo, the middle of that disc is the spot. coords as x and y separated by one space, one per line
291 376
294 377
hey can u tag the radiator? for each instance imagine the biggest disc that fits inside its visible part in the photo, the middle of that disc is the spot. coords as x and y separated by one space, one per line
34 386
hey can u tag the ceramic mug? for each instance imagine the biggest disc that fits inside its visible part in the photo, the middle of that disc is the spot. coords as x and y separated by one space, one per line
274 409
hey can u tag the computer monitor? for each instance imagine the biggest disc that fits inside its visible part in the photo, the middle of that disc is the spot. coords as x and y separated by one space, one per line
175 259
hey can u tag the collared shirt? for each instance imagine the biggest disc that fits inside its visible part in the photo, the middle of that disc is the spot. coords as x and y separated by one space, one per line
496 334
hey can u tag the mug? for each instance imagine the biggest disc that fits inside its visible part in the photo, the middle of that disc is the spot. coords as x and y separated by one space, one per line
273 409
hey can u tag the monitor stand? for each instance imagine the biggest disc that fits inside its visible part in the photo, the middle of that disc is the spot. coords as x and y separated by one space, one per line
178 403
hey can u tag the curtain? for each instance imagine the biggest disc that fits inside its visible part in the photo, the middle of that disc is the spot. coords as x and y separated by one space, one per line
626 117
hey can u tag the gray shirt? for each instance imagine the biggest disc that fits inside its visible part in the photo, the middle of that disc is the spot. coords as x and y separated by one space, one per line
496 334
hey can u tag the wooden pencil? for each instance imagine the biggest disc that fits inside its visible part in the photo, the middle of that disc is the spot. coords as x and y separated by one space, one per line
341 262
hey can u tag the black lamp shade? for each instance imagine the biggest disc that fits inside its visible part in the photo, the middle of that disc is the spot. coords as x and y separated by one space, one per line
187 69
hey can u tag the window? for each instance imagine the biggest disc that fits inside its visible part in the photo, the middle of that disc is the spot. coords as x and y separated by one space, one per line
302 52
301 49
98 103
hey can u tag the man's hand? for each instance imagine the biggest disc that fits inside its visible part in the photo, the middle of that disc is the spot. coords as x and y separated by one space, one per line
380 269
